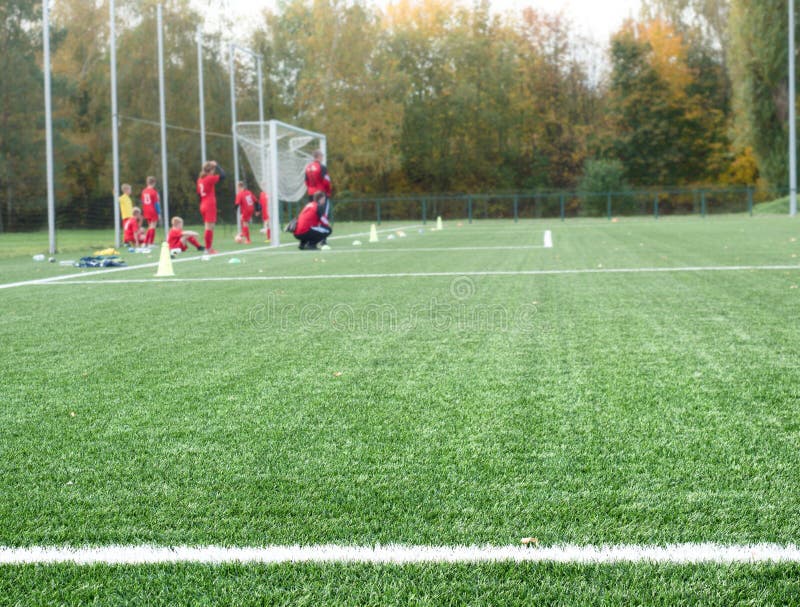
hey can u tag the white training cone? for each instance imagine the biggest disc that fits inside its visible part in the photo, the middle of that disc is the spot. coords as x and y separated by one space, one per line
439 226
165 262
373 233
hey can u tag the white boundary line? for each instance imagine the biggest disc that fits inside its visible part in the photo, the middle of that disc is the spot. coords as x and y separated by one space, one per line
56 279
393 554
548 239
372 249
112 281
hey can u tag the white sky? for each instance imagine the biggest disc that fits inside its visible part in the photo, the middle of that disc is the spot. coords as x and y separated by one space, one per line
597 18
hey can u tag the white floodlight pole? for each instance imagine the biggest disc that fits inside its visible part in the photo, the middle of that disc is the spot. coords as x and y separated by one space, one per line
48 111
202 100
232 68
274 203
261 121
162 104
114 121
792 118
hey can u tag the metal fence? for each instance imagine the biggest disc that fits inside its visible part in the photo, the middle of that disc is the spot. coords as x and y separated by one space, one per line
561 205
28 211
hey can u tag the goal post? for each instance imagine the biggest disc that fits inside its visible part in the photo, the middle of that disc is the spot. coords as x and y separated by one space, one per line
278 153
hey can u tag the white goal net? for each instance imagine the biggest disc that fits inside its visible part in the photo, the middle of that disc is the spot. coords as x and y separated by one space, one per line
278 154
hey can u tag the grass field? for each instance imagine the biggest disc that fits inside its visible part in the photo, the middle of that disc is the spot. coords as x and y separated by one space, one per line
637 383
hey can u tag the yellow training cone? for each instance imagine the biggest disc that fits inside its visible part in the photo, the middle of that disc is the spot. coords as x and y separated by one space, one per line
439 223
373 233
165 262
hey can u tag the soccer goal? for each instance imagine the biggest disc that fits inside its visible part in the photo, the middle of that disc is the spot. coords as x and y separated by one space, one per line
278 154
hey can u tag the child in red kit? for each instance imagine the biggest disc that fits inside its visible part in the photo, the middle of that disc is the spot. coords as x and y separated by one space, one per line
133 235
206 184
178 237
151 209
247 206
263 200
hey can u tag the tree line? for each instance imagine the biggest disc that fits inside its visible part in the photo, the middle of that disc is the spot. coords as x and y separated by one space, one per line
423 96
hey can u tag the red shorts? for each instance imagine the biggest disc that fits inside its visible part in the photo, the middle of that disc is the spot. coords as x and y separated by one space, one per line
209 212
247 218
151 216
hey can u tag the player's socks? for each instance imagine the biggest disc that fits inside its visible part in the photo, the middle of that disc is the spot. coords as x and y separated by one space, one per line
209 238
150 237
193 241
246 233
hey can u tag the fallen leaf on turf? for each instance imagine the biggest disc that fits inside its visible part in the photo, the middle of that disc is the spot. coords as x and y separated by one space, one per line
793 287
72 414
337 374
70 482
529 541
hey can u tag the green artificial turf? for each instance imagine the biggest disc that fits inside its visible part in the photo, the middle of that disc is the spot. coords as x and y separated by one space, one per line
773 207
456 409
364 585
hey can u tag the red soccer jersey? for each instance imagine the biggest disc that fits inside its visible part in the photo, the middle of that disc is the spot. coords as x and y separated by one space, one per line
174 239
246 203
131 228
206 191
311 216
149 201
263 200
317 178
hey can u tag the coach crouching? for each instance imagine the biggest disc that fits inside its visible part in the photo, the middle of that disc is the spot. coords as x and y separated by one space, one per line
313 226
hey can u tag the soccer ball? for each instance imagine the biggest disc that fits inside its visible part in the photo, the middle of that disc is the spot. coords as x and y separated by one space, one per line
239 239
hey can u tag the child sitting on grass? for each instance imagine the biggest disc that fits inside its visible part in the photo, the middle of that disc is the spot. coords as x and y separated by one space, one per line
177 238
133 235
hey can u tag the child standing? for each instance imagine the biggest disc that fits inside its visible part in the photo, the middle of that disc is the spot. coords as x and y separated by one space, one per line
151 210
210 175
247 206
177 237
125 204
263 200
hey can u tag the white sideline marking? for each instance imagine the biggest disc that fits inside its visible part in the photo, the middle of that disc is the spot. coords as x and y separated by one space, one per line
95 272
112 281
394 554
370 249
548 239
